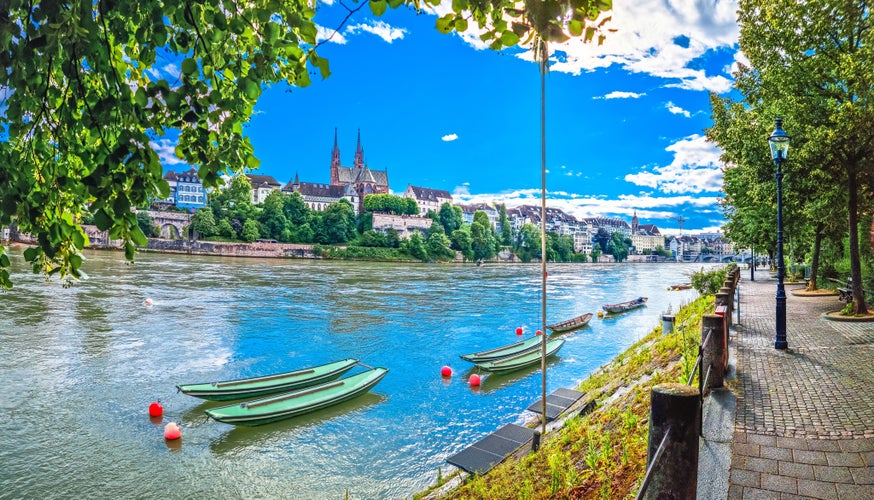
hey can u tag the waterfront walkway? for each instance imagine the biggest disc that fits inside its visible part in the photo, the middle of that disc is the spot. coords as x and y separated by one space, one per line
804 420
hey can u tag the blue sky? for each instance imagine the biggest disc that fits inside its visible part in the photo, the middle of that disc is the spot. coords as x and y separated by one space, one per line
624 128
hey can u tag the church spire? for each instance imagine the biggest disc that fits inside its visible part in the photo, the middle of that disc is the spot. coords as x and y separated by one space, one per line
359 153
335 161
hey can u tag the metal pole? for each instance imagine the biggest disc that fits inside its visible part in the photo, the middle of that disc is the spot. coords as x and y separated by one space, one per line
752 265
544 66
780 341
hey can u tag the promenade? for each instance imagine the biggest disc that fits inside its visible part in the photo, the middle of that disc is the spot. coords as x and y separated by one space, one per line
804 421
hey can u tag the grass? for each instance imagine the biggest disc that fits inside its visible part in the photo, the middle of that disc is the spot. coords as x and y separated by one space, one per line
603 453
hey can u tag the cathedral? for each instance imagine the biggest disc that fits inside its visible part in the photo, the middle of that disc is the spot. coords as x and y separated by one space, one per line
352 183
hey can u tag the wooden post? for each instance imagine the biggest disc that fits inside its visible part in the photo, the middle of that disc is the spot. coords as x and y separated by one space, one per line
723 299
675 408
713 352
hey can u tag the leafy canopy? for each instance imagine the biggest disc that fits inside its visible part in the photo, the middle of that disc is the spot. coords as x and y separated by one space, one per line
86 93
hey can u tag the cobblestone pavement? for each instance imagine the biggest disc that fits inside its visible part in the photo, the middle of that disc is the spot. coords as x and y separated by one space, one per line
804 426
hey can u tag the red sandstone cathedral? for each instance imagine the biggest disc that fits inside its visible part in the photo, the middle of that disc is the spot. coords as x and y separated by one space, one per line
352 183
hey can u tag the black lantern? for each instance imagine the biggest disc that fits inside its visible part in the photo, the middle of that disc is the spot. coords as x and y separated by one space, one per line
779 142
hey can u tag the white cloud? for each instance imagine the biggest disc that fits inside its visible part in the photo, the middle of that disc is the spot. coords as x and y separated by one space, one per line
449 137
696 168
661 38
616 94
379 28
166 152
331 34
673 108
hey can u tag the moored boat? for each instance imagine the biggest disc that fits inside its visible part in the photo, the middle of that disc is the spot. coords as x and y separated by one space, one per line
511 363
570 324
682 286
625 306
503 351
269 384
292 404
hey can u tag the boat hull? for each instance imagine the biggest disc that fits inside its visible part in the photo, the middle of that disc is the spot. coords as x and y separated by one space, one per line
504 351
625 306
255 387
513 363
292 404
571 324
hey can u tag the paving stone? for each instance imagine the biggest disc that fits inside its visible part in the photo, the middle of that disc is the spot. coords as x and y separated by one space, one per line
854 491
857 445
823 445
774 482
810 457
735 492
863 475
847 459
817 489
742 477
795 470
748 450
762 439
775 453
758 494
832 474
761 465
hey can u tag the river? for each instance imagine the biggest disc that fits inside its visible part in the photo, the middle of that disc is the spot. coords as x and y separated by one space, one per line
79 367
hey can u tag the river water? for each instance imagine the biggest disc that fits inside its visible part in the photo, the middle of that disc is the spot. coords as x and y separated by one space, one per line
80 365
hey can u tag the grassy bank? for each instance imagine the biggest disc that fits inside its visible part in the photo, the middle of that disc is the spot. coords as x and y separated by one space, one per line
601 454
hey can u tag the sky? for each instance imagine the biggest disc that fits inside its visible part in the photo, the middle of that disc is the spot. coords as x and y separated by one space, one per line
625 121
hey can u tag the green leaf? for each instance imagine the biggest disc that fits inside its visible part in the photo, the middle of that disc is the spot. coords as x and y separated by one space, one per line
378 7
460 5
138 237
461 24
31 254
444 24
140 98
575 27
102 220
78 239
75 261
189 66
251 89
252 162
509 39
4 260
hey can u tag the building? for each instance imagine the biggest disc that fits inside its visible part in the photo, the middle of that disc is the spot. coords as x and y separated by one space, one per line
359 176
428 199
319 196
262 186
186 190
467 212
557 221
645 238
405 225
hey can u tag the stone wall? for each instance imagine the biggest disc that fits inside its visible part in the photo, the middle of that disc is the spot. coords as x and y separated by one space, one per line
257 249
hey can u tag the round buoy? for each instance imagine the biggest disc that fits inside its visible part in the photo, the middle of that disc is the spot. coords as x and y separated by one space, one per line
446 371
149 302
172 431
600 314
539 332
474 380
155 409
519 330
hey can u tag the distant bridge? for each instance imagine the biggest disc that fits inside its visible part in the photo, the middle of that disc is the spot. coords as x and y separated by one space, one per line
171 224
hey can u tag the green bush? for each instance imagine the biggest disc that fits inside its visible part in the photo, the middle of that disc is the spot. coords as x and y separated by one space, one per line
709 282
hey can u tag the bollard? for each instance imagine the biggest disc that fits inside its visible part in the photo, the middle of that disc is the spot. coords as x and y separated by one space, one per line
674 407
725 295
535 440
723 309
667 324
713 352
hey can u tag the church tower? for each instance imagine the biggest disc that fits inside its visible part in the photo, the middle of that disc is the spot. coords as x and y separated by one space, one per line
335 161
635 224
359 154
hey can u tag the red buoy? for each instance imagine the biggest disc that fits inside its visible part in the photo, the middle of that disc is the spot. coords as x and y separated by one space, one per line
474 380
446 371
172 431
155 409
539 332
519 330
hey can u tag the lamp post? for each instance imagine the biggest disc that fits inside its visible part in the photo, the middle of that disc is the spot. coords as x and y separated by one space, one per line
779 142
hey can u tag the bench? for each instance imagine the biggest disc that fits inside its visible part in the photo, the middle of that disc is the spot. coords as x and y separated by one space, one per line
846 294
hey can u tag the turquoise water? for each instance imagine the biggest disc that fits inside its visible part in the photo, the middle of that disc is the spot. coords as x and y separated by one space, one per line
80 365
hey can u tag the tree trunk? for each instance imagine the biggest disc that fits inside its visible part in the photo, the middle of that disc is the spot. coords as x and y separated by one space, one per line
855 261
814 265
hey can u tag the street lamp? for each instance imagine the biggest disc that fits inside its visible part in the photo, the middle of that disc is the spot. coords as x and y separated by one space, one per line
779 142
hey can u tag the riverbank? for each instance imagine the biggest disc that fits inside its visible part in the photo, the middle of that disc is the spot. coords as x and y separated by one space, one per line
601 454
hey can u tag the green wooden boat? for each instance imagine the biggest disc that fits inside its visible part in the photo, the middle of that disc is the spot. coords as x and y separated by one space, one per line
292 404
270 384
518 361
503 351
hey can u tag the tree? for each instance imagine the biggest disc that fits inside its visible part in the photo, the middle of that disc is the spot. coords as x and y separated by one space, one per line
203 222
806 62
87 94
338 222
462 242
601 238
147 226
529 243
273 218
415 246
506 229
438 246
450 217
250 232
617 247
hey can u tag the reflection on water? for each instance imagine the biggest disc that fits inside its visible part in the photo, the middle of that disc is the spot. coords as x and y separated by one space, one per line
79 367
